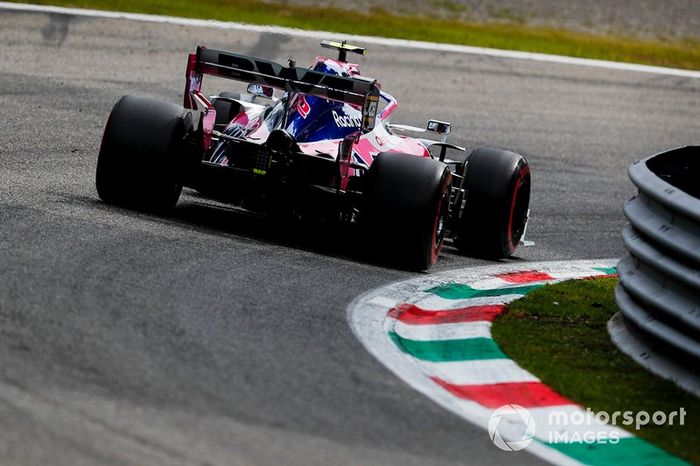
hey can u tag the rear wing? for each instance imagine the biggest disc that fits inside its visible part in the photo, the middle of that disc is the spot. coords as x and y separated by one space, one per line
358 90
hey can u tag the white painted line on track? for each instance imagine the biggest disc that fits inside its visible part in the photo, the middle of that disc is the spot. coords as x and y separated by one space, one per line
414 44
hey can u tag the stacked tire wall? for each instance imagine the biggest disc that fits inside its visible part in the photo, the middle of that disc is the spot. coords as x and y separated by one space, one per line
659 290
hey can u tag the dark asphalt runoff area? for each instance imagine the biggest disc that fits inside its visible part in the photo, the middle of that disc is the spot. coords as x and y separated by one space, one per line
213 337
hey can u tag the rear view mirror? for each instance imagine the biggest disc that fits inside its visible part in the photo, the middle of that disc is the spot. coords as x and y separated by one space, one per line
261 91
439 127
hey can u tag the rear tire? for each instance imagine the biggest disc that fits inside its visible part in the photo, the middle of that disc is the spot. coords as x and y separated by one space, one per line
498 197
143 154
408 207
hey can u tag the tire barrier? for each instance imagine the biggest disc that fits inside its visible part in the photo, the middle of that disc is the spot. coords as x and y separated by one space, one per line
659 290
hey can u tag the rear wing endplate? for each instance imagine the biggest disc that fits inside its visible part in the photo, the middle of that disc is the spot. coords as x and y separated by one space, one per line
360 91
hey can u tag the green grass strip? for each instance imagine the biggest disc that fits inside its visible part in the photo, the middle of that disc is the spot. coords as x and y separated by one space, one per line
559 334
628 451
683 53
449 350
461 291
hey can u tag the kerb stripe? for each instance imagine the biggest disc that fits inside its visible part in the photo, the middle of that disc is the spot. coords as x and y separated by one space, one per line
526 394
462 291
414 315
449 350
526 276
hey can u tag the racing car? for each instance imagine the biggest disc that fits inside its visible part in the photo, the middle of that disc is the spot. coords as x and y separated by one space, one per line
324 148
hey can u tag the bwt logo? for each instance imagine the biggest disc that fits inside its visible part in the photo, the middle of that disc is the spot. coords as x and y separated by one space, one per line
511 427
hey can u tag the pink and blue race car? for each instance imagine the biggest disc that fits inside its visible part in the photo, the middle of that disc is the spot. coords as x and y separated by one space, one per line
323 149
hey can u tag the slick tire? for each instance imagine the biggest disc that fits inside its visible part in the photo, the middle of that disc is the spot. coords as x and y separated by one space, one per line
143 154
495 214
408 207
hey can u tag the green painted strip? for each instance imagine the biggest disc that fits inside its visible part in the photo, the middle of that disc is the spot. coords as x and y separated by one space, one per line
449 350
606 270
629 450
460 291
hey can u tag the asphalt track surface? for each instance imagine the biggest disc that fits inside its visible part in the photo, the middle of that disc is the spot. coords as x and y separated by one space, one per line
213 337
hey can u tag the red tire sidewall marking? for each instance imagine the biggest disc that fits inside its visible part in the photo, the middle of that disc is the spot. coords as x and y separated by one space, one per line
521 176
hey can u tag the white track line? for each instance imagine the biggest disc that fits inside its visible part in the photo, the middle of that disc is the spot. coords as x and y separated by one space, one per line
464 49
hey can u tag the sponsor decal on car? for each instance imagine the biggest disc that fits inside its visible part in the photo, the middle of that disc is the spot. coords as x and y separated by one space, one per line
301 105
346 121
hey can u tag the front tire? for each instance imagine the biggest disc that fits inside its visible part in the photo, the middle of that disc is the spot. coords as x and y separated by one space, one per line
143 154
497 183
408 207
